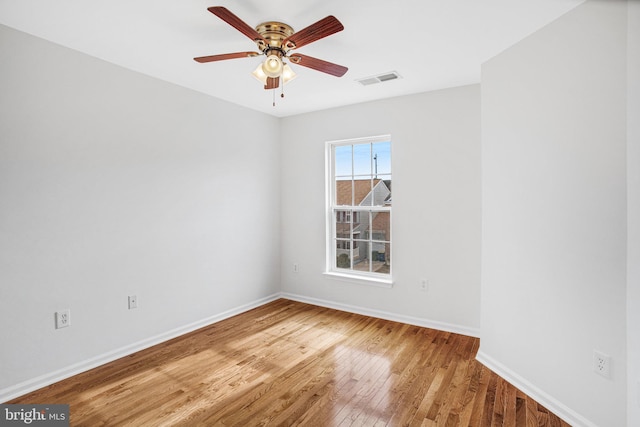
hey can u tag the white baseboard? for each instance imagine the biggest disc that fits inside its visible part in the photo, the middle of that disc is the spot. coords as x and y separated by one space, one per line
534 392
25 387
410 320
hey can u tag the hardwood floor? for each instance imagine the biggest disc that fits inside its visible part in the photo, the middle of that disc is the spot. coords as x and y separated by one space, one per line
288 363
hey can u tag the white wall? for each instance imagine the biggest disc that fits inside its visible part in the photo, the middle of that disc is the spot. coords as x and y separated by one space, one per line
436 202
111 184
554 213
633 214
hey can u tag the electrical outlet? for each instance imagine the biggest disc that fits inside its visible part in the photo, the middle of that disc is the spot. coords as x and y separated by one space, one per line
424 285
63 318
602 364
133 302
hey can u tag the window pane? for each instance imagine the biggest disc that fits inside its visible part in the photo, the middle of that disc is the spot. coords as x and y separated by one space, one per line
361 256
343 224
388 184
381 153
362 160
344 192
381 226
343 160
381 195
382 260
362 192
343 258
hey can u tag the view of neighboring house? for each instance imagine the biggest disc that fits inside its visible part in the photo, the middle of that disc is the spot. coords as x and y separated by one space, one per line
362 236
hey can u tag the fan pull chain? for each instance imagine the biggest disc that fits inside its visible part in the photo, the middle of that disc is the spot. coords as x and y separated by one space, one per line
281 93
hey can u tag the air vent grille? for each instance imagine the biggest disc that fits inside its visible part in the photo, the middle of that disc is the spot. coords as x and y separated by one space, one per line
369 81
380 78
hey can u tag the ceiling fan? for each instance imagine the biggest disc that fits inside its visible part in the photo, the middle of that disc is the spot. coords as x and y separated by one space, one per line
276 41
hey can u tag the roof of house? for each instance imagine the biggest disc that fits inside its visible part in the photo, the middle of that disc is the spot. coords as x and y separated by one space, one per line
361 188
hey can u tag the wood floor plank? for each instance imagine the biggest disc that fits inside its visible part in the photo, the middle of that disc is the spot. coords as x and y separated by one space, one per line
531 412
521 409
510 402
417 382
477 412
498 404
292 364
453 401
471 394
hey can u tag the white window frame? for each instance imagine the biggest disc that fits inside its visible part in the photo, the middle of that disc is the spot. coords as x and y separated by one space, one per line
357 276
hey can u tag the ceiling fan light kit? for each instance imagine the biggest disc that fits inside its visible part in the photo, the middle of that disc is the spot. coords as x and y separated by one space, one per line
287 74
272 66
276 40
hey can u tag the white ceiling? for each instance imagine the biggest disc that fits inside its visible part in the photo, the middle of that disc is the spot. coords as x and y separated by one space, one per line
432 44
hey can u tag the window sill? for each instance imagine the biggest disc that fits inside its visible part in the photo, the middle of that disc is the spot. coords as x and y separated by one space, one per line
360 280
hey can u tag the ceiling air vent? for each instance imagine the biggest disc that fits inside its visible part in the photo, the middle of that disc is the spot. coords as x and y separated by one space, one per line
380 78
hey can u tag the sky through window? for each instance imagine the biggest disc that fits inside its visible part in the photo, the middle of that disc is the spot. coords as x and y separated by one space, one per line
363 160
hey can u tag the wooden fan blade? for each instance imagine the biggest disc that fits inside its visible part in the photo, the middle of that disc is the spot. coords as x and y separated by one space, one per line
323 28
272 83
227 16
222 57
318 64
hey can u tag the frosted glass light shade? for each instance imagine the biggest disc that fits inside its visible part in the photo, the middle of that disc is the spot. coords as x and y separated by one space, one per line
259 74
287 74
272 66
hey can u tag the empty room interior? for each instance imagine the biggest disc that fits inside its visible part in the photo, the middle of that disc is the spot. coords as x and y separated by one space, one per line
165 218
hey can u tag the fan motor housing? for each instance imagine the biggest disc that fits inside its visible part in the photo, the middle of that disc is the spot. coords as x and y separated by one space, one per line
274 33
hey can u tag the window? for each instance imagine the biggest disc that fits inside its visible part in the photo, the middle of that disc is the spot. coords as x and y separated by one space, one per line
359 208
